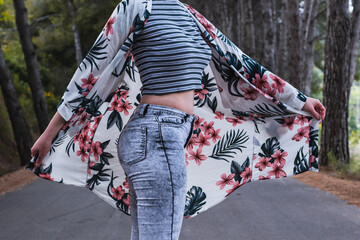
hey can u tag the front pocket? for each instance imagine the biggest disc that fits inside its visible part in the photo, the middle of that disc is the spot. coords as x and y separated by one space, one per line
132 145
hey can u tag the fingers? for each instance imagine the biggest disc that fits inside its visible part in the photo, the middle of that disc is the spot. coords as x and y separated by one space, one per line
319 109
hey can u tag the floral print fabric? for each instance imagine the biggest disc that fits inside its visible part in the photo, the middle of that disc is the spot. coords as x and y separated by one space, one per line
248 126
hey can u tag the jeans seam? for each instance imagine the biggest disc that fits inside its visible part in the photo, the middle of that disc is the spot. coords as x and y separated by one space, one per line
171 180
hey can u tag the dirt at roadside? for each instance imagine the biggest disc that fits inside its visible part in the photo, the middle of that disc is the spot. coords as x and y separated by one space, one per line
346 189
16 180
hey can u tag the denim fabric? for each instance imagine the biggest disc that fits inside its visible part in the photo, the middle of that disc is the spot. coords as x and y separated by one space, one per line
151 150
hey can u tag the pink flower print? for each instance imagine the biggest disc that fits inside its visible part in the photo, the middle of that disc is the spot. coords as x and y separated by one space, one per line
250 93
91 163
272 92
278 83
126 183
203 140
187 158
246 75
46 176
127 200
123 94
263 177
289 122
235 121
277 171
84 140
82 118
86 127
83 153
198 157
108 26
76 137
202 93
225 180
97 120
207 128
118 192
96 150
234 187
263 163
301 132
219 115
261 82
215 135
89 82
208 26
192 142
115 104
124 107
96 124
279 157
311 160
246 174
302 119
197 122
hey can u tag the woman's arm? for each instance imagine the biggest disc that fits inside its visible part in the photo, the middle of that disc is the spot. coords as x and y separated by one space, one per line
43 143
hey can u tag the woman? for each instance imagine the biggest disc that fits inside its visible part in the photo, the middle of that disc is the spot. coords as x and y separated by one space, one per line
171 55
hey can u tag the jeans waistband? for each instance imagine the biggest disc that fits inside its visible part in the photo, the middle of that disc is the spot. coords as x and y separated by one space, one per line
147 108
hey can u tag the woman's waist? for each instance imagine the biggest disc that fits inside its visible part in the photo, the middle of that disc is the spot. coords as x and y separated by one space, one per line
183 101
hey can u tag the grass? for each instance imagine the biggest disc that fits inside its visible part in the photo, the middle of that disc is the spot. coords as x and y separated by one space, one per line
345 171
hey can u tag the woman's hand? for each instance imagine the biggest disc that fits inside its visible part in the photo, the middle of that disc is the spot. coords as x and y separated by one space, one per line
43 144
315 107
41 147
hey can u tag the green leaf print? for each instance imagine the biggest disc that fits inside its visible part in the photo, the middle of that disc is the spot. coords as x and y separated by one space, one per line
269 110
236 168
269 148
232 140
195 199
96 52
300 163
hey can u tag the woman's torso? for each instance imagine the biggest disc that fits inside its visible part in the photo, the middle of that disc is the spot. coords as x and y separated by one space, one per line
170 55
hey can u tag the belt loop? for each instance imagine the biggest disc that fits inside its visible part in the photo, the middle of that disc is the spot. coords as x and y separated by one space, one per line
144 109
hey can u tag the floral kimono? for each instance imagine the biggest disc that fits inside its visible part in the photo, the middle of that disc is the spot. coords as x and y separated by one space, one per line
249 123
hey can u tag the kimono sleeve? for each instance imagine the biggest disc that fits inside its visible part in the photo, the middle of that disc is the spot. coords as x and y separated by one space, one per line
271 83
94 78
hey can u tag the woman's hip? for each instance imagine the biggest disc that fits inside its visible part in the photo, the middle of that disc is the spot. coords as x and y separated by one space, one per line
154 131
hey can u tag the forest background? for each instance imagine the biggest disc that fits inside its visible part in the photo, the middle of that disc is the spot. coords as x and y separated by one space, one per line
287 37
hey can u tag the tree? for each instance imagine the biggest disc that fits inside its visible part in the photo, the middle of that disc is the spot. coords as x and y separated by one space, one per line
20 128
72 8
39 101
339 48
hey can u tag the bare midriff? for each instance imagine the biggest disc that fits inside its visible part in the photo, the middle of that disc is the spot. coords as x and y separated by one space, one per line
183 101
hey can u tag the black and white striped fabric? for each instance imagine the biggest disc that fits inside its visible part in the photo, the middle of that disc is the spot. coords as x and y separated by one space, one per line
170 52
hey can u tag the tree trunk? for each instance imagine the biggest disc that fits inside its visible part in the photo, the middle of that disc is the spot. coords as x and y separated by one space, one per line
294 44
72 8
268 60
308 29
354 38
336 91
282 64
39 101
248 29
20 128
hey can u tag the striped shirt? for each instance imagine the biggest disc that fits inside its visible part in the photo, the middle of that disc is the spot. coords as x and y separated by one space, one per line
169 52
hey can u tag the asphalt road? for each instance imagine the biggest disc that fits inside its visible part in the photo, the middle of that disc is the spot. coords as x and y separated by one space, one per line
281 209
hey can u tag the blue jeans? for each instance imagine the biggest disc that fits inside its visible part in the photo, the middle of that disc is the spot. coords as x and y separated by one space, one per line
151 151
